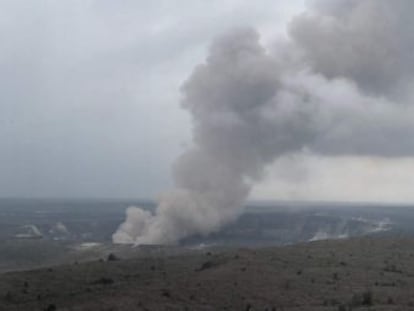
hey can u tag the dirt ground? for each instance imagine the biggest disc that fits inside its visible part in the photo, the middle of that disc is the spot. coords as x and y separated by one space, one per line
356 274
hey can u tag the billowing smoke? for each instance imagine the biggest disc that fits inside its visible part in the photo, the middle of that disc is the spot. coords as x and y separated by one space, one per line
369 42
340 84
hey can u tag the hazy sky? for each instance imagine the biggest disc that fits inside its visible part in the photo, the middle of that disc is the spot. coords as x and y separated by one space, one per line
89 90
89 101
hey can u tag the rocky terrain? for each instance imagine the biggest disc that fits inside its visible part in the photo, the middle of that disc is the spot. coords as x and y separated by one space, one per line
354 274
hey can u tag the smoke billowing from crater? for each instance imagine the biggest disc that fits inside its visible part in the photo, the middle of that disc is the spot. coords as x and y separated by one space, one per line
338 85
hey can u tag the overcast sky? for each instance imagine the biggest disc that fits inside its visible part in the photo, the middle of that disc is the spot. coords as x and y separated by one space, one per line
89 90
89 101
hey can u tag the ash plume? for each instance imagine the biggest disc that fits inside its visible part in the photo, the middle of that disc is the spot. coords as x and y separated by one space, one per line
339 84
369 42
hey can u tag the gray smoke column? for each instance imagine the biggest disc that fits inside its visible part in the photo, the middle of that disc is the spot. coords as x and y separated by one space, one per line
338 85
240 124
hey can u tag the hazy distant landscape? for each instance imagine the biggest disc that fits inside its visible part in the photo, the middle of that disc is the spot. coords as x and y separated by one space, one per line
43 232
296 256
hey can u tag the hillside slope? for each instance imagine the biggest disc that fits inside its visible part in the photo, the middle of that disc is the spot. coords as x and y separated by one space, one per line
356 274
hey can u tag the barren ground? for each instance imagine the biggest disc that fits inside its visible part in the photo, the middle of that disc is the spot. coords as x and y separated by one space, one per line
356 274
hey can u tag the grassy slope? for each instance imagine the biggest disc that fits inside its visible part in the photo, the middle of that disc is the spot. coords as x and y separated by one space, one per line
358 274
